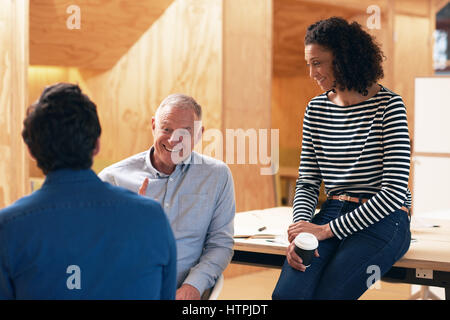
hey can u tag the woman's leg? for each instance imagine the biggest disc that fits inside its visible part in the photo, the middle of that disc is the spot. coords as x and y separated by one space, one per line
297 285
375 249
294 284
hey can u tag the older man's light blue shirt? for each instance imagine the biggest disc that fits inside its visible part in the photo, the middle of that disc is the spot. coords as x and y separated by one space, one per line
198 198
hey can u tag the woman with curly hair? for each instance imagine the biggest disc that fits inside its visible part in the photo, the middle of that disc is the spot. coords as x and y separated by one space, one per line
355 140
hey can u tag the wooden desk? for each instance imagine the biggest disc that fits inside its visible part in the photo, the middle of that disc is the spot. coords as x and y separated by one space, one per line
427 261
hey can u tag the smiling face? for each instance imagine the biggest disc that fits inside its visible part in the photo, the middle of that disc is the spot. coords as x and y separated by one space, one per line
173 132
319 61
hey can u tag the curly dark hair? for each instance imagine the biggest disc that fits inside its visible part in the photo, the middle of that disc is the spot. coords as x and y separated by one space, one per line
61 129
357 62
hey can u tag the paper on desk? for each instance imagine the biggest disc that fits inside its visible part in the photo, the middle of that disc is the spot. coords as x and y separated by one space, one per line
276 241
267 223
421 223
279 240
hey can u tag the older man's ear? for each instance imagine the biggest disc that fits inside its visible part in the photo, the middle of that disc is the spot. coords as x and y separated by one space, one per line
153 124
198 135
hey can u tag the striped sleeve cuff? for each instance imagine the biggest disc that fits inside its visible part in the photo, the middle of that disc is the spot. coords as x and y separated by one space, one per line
336 231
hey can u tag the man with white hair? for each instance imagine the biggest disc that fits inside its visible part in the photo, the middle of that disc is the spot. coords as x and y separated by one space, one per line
196 192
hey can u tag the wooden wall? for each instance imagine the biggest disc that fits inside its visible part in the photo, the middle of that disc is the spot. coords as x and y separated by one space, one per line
247 76
13 87
88 34
181 52
186 51
414 23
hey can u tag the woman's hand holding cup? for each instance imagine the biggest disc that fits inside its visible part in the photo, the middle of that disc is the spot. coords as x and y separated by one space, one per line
301 251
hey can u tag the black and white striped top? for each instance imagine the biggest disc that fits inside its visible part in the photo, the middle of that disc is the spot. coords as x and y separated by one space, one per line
362 149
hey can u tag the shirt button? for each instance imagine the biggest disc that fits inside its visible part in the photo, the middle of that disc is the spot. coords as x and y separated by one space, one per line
170 179
167 205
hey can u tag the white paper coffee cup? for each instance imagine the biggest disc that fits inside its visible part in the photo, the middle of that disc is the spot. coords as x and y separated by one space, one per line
305 245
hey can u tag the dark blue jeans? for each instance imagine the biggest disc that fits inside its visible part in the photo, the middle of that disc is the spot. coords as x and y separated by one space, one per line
344 267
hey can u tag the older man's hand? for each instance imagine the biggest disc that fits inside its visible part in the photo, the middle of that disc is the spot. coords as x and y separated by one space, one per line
187 292
143 188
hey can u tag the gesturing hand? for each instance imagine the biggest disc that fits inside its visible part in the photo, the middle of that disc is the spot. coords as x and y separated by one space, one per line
143 188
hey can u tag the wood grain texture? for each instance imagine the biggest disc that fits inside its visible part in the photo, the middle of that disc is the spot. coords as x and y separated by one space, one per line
108 28
247 76
413 7
291 20
181 52
290 96
13 87
412 35
350 4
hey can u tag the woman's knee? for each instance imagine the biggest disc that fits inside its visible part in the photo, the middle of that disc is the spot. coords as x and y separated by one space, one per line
286 293
292 285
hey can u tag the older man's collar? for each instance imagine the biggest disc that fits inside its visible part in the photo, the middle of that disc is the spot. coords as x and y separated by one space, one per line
155 173
186 162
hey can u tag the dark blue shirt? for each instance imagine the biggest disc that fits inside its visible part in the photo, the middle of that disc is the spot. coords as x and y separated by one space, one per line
80 238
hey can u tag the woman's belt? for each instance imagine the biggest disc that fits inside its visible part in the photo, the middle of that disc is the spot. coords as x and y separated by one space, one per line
344 197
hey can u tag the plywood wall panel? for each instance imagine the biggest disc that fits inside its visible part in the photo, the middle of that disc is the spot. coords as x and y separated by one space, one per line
13 89
412 7
107 29
412 35
290 96
247 76
291 19
180 52
349 4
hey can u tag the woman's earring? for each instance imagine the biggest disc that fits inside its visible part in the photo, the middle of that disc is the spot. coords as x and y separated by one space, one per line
334 86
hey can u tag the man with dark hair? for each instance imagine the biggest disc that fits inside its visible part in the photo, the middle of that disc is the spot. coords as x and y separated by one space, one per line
78 237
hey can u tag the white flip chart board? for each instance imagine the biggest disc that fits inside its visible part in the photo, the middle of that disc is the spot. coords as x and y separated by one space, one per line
431 186
431 190
432 115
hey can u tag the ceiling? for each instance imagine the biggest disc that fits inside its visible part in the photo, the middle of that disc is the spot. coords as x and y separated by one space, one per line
108 28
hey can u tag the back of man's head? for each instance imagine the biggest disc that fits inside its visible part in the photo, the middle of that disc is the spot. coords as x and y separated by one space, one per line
61 129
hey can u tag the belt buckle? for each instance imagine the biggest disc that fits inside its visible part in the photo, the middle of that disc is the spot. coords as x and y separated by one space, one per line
342 197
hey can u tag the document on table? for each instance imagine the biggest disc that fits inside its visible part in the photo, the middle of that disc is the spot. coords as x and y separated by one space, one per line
268 223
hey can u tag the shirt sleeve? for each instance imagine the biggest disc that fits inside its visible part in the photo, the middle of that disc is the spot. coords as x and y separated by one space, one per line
218 247
106 176
394 183
309 179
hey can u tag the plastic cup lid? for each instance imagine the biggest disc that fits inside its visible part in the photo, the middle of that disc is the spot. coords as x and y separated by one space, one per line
306 241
